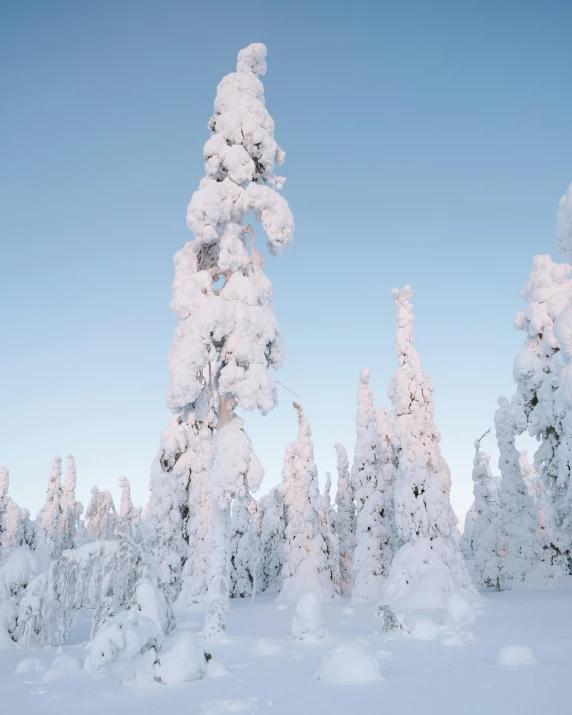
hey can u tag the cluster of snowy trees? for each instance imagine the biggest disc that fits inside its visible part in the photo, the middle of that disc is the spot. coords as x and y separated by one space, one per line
390 534
518 531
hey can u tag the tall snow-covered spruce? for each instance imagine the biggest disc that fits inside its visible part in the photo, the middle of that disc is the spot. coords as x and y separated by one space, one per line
226 337
345 519
429 559
373 550
482 536
305 566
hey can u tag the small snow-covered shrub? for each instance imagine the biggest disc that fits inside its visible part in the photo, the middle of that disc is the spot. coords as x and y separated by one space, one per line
181 659
307 623
390 624
63 666
349 663
516 656
421 627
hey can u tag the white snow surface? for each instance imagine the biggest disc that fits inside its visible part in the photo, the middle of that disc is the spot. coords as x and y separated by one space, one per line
418 676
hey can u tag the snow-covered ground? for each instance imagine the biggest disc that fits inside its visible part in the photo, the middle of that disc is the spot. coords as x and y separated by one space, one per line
518 662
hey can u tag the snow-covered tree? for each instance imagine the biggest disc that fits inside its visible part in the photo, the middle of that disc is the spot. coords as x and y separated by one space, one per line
71 509
272 527
100 515
198 524
424 519
226 337
373 550
327 520
525 561
128 515
564 225
243 550
384 419
48 520
538 404
482 540
345 519
305 566
233 472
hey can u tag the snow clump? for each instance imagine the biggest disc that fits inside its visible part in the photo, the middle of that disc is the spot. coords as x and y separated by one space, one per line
516 656
349 663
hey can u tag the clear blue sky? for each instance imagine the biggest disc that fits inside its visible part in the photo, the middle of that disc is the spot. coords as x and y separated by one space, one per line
427 143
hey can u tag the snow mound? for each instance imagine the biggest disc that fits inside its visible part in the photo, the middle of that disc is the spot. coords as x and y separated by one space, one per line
181 659
349 663
267 646
422 628
459 620
347 611
307 623
29 665
62 667
516 656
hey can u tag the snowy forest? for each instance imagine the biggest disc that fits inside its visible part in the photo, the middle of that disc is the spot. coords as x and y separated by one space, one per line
156 595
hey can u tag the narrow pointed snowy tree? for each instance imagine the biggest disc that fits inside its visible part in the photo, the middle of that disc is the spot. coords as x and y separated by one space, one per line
101 517
373 552
305 566
482 539
48 520
327 520
529 475
345 519
71 509
272 527
424 519
227 336
525 561
129 520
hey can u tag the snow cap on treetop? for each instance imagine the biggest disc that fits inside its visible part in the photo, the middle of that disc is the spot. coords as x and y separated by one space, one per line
252 59
364 375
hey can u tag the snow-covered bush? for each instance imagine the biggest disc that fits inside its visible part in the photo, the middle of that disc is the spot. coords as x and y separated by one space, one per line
349 663
308 622
429 559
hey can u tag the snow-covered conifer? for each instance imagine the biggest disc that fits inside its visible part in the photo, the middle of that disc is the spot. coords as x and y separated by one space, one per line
100 515
424 519
243 550
529 475
272 526
373 550
48 520
482 540
564 225
198 524
345 519
234 471
525 561
538 404
71 509
384 419
128 514
327 520
305 566
227 336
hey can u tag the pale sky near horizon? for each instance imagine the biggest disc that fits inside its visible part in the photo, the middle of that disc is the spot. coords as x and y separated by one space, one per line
427 143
